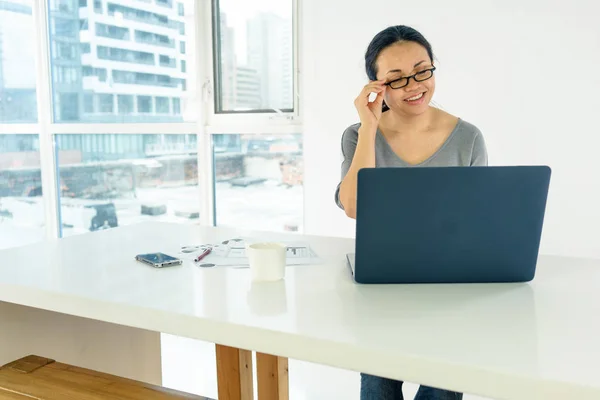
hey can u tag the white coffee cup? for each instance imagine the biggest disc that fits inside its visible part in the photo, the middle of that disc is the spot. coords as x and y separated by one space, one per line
267 261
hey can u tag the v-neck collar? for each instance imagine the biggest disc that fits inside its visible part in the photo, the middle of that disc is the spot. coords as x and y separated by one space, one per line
439 150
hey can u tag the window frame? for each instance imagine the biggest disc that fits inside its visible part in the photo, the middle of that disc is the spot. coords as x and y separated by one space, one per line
253 121
207 123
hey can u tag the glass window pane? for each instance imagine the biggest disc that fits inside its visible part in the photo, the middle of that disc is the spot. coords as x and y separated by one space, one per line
162 105
166 61
259 181
124 50
114 180
125 104
18 101
88 100
21 206
145 104
106 102
254 63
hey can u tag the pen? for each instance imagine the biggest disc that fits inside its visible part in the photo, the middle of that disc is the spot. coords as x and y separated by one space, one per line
204 254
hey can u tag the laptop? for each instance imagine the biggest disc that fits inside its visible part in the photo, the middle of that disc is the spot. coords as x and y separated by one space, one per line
449 224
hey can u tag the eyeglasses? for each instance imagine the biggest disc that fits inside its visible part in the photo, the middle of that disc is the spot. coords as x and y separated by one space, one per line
418 77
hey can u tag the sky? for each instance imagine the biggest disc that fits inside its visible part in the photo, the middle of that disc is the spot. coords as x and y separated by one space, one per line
17 55
240 11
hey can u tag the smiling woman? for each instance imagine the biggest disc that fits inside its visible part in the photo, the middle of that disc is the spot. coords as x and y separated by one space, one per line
399 128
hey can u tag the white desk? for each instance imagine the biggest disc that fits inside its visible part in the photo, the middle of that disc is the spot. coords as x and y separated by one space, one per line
515 341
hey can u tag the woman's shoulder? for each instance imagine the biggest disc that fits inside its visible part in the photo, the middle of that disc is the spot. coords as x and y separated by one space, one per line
466 128
351 133
462 128
352 129
468 138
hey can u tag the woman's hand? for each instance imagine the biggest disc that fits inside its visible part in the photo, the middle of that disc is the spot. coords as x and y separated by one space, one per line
370 112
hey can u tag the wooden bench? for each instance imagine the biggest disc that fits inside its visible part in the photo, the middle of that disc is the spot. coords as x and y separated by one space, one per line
40 378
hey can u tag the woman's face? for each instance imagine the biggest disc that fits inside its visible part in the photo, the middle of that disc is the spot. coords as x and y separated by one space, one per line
401 60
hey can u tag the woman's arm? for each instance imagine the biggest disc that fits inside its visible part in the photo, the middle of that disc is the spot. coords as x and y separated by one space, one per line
358 144
358 148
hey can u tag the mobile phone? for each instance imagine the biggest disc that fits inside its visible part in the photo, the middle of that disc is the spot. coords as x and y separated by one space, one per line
158 260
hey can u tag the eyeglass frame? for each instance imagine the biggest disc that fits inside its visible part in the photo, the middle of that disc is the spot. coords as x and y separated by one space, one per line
414 76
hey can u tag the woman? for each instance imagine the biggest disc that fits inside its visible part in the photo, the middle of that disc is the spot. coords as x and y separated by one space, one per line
400 129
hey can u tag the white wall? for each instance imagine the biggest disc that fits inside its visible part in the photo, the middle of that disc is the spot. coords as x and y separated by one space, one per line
526 73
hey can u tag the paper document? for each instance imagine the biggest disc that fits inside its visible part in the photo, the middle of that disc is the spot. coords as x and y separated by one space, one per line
233 253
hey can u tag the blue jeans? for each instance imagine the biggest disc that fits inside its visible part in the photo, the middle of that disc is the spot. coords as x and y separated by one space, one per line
376 388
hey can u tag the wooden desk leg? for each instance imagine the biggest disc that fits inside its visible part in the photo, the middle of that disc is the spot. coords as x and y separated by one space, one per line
234 373
272 374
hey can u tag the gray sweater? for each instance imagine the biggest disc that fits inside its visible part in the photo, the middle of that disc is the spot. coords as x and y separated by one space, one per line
464 147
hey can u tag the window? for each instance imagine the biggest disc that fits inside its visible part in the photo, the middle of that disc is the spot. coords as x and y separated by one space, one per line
121 74
130 56
65 28
65 6
21 204
88 103
176 106
106 103
153 39
119 57
18 102
139 78
67 105
166 61
162 105
137 14
99 73
111 180
112 32
144 104
259 182
65 75
65 51
264 61
125 104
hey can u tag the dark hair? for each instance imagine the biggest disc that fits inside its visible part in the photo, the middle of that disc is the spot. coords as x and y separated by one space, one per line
388 37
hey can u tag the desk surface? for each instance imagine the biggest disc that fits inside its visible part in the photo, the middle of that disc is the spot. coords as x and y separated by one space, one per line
513 341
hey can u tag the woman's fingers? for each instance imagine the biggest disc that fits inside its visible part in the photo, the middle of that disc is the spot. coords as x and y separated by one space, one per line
376 106
373 87
380 95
